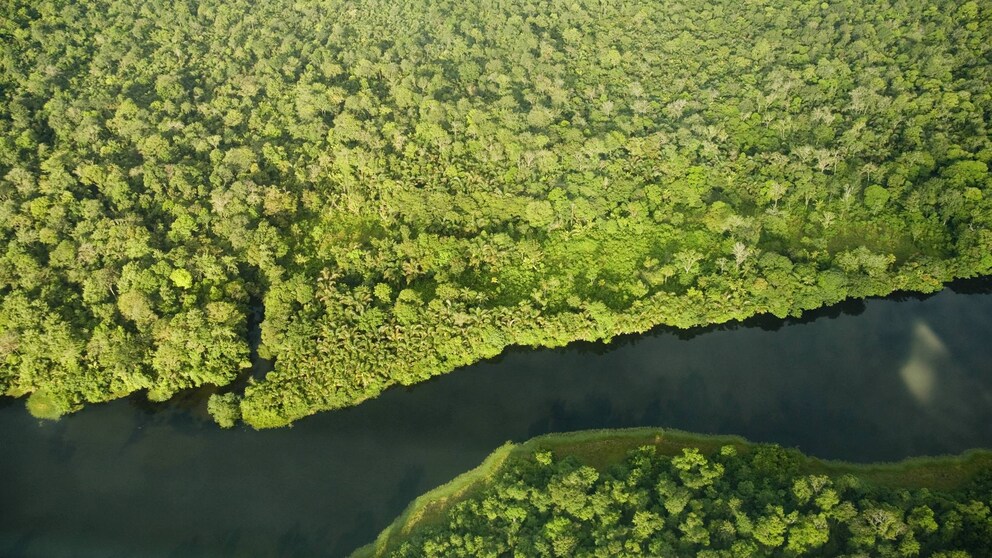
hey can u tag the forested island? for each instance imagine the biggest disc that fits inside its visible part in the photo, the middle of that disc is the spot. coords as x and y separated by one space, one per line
404 188
652 492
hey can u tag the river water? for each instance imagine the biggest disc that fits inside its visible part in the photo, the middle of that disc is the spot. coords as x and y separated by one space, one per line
862 381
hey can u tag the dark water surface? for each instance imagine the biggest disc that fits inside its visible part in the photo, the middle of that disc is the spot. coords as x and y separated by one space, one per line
880 380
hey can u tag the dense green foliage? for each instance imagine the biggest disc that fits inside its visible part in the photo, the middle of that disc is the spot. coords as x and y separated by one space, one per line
738 501
408 187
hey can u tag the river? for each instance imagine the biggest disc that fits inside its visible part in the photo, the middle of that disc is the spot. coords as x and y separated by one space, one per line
881 379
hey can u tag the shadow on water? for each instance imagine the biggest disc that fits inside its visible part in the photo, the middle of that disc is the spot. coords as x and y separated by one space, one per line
259 366
61 448
296 542
976 285
766 322
193 401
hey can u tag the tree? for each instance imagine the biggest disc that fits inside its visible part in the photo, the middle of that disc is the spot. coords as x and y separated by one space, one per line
225 409
688 263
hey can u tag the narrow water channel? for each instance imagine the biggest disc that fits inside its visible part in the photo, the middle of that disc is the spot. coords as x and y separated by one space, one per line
863 381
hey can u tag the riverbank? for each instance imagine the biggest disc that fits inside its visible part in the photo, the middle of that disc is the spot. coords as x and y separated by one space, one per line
601 449
160 480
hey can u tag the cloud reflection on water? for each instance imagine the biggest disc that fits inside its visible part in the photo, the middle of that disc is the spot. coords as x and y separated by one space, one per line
927 354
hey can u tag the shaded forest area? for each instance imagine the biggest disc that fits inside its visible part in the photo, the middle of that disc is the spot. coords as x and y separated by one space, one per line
645 492
409 187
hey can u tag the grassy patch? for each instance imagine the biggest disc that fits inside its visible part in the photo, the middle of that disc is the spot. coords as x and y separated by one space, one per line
430 507
602 448
943 473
